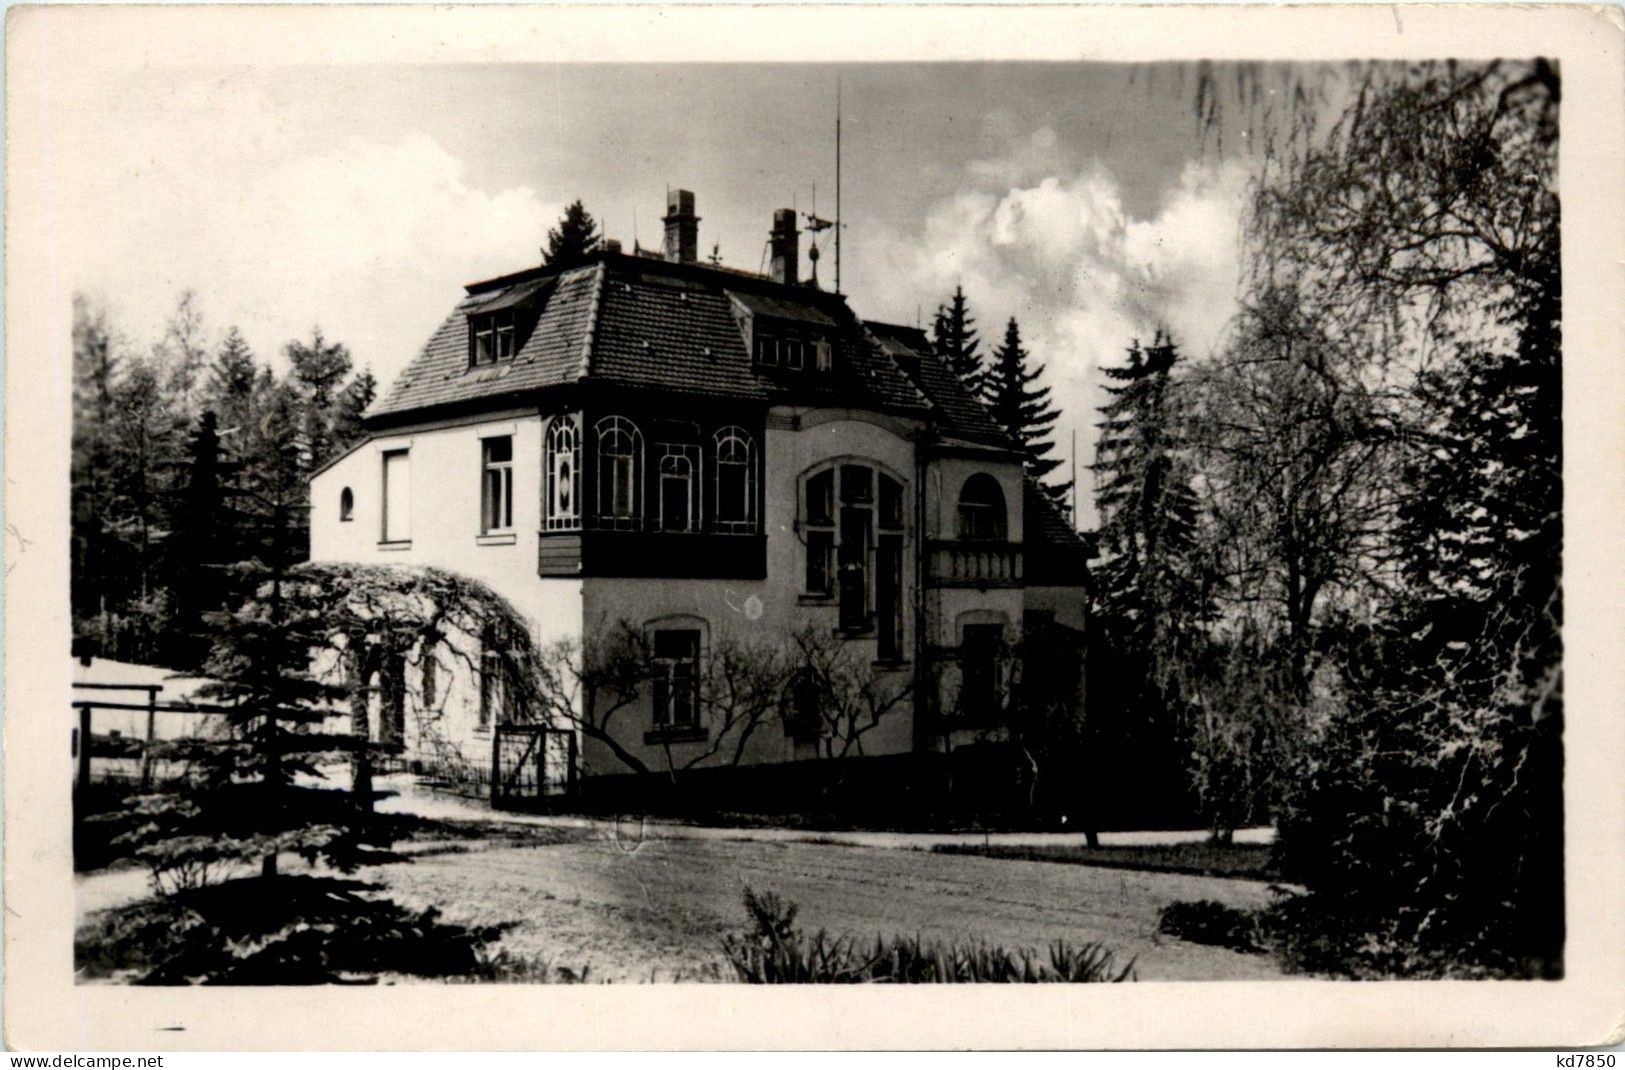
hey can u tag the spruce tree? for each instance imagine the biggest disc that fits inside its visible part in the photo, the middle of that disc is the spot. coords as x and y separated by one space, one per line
319 369
574 239
96 371
229 389
1148 598
954 335
206 538
1026 414
1143 493
353 401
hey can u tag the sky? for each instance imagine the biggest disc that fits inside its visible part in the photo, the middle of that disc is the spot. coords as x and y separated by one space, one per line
1078 198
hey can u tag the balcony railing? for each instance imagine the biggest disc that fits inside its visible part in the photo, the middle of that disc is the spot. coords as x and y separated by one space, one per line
966 563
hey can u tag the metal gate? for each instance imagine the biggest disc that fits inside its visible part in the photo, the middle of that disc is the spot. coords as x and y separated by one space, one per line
530 763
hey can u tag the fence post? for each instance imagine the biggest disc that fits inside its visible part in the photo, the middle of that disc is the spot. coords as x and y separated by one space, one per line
84 748
496 763
152 732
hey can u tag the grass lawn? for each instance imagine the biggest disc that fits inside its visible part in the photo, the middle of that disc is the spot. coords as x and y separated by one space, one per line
1248 861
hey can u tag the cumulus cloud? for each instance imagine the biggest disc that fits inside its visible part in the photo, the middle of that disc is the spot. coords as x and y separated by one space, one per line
1057 249
221 190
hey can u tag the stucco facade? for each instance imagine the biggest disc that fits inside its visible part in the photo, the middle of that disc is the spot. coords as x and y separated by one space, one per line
678 478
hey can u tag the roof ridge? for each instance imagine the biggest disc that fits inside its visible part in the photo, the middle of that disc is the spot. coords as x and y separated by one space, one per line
590 335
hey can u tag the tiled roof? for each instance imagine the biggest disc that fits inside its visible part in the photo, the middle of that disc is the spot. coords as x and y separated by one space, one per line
797 311
960 413
1041 518
658 333
645 323
554 353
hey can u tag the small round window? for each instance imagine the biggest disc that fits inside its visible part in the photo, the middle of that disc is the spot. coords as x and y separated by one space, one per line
346 504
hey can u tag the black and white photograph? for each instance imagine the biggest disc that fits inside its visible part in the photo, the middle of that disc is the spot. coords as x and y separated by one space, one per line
759 522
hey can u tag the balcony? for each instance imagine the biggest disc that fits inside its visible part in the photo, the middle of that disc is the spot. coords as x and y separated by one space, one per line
964 563
652 554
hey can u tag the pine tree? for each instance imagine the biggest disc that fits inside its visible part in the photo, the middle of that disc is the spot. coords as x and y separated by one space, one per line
1148 596
319 369
353 401
183 352
1143 493
954 335
96 368
1025 413
574 239
229 389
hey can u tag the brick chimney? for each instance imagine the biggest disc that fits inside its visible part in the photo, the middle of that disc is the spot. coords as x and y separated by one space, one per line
784 242
682 227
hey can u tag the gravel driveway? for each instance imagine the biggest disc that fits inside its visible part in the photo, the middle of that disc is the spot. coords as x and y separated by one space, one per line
632 909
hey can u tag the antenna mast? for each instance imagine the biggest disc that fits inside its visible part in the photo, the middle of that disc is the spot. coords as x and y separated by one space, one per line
1074 494
837 182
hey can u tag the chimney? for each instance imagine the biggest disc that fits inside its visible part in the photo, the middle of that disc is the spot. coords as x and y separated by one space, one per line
612 245
682 227
785 245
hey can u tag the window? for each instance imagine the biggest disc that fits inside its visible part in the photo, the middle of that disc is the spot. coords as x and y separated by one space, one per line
854 538
397 497
496 485
495 694
430 683
735 481
563 474
620 473
803 709
676 678
794 349
820 529
493 337
392 710
679 488
981 508
767 349
825 358
979 651
346 505
889 570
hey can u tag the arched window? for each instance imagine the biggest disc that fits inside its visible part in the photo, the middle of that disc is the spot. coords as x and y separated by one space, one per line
620 473
678 487
981 508
563 511
346 504
853 526
736 481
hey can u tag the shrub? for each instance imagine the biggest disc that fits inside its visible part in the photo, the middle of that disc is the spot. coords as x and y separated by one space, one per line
1205 921
774 951
290 930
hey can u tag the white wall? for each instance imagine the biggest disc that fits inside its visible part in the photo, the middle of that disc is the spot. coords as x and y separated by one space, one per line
445 468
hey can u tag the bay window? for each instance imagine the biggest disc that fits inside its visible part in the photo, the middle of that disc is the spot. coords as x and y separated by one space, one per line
620 474
563 494
735 481
678 500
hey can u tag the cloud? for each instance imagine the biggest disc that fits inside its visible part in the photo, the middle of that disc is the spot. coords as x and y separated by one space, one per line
219 189
1056 248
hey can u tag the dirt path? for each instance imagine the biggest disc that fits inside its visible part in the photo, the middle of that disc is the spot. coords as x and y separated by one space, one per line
659 908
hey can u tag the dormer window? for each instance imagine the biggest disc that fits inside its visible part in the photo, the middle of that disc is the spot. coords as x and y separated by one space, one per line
493 337
794 349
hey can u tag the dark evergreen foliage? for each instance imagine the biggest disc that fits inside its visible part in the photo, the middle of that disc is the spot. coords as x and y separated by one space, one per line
1025 413
953 333
160 502
1150 596
574 239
